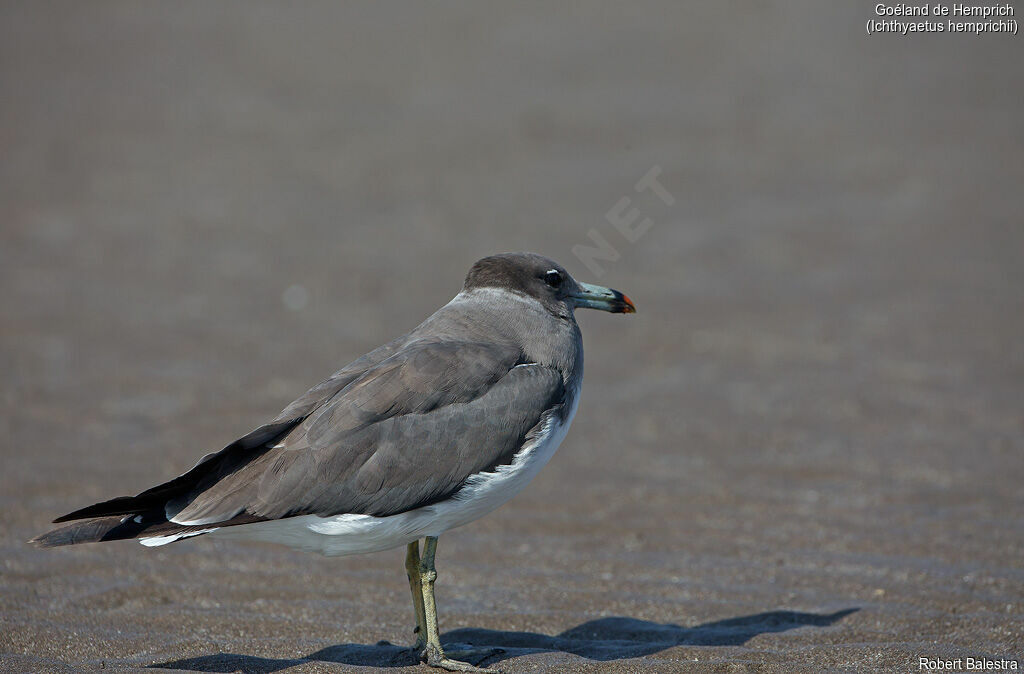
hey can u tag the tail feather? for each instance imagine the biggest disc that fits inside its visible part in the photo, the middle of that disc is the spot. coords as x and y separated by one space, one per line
145 515
111 528
121 527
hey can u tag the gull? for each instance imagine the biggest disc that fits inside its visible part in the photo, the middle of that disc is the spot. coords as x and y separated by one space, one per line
424 434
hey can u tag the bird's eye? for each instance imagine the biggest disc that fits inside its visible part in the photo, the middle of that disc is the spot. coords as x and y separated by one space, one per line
553 278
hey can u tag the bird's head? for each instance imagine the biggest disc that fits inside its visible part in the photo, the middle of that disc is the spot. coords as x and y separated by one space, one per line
546 281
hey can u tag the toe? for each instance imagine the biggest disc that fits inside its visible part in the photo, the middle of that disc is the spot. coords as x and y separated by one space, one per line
459 666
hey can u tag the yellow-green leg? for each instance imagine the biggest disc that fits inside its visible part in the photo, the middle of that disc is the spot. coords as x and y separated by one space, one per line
433 654
412 570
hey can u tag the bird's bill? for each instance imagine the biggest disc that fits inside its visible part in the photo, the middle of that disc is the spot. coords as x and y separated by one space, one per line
605 299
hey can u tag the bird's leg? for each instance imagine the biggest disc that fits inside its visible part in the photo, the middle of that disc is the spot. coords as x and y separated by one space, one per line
412 570
433 654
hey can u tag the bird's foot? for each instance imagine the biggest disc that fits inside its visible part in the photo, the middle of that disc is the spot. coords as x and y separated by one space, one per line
435 657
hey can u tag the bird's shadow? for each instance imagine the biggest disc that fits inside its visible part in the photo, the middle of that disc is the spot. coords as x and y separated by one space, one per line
613 638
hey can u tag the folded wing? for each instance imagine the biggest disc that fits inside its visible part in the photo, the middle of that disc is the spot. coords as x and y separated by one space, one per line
403 427
407 433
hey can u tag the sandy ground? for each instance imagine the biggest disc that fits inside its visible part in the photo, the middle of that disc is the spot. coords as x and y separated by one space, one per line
803 454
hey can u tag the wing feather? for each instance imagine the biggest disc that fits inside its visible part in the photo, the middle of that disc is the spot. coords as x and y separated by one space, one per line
407 432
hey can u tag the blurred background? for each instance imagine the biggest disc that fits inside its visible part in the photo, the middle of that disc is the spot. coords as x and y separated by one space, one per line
804 451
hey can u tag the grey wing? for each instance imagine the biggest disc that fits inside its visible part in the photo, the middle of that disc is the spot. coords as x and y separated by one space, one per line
408 432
